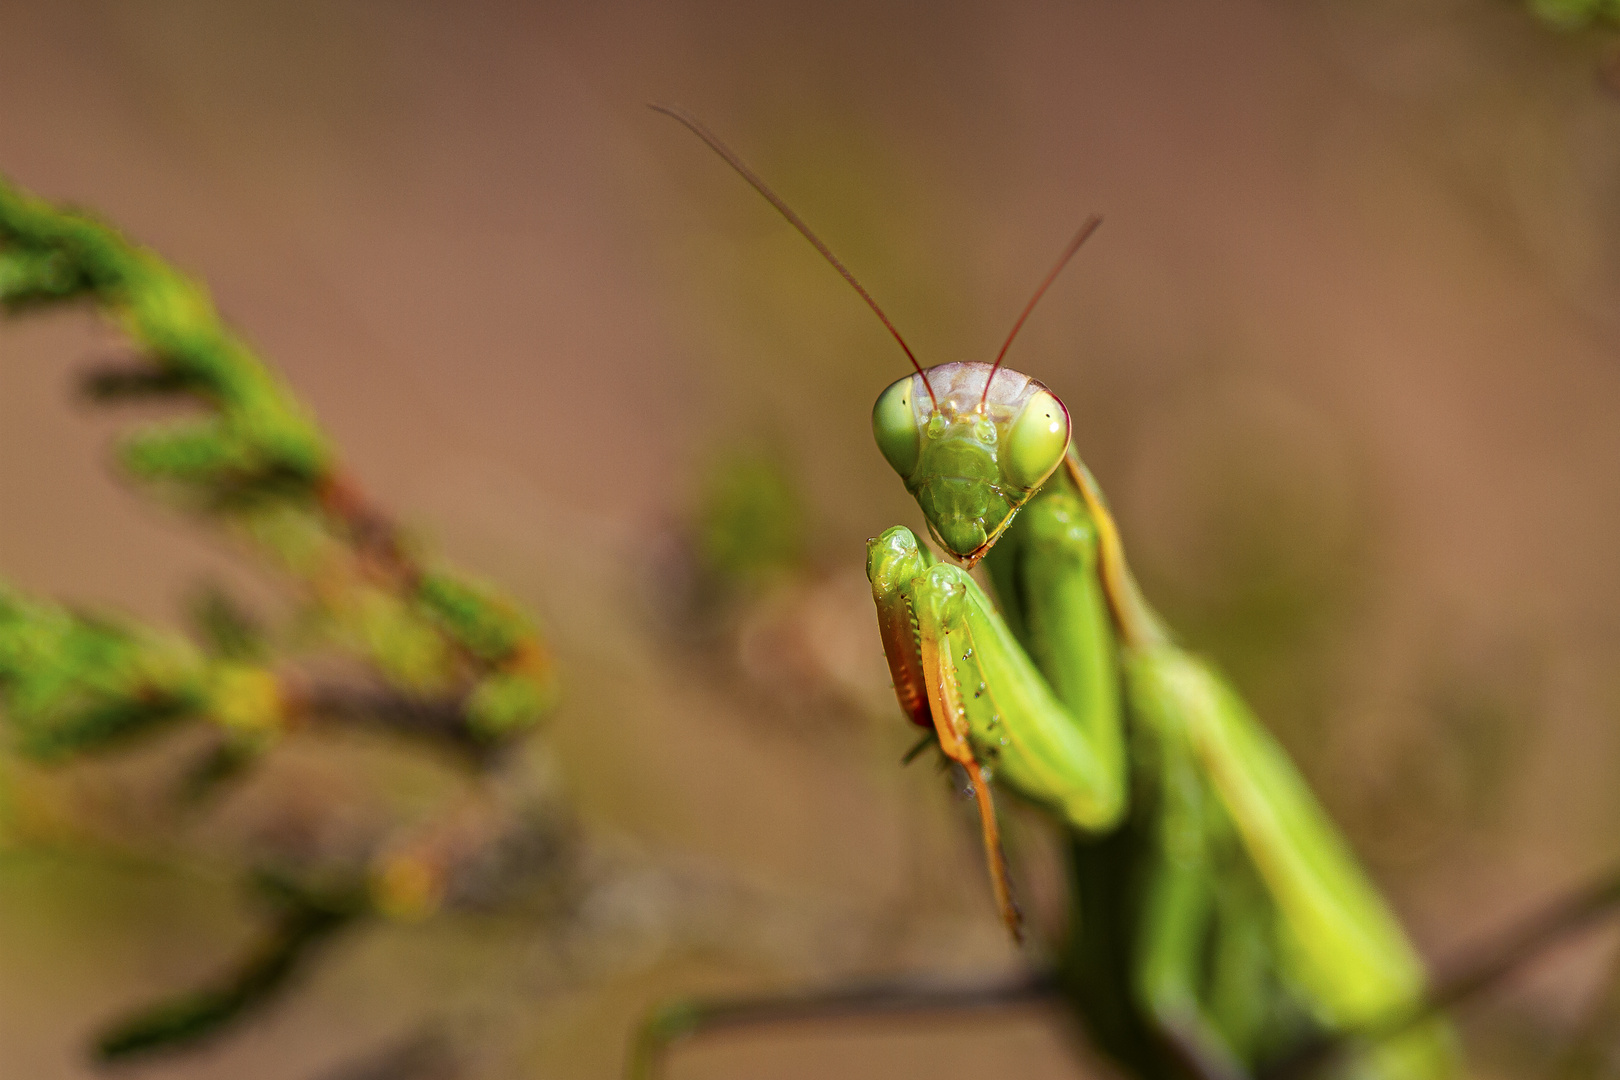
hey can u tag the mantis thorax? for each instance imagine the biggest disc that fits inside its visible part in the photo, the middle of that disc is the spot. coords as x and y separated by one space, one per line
970 455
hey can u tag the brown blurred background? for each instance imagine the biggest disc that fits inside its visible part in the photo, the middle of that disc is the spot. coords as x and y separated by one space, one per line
1346 355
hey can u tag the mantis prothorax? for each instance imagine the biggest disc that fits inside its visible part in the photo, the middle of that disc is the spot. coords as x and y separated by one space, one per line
1218 919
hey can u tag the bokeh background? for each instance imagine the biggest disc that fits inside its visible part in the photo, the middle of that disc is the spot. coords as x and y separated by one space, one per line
1345 354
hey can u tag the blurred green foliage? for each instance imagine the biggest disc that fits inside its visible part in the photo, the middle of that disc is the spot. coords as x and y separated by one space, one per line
73 682
750 520
255 464
450 657
1572 14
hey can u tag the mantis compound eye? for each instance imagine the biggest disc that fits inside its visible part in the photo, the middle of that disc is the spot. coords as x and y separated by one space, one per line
1036 441
894 423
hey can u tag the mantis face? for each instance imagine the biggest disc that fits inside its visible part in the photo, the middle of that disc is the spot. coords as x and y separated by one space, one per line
970 457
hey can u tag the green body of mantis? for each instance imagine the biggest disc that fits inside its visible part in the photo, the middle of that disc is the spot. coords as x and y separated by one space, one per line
1218 918
1218 921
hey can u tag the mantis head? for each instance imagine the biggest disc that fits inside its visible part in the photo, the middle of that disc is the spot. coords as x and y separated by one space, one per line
972 443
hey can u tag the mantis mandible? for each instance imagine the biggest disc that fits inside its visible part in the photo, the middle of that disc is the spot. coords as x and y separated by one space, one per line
1217 918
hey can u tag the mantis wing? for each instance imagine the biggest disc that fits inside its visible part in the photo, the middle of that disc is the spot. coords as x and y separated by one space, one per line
1338 940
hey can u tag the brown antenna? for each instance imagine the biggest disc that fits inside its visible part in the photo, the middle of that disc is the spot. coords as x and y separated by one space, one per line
696 127
1086 229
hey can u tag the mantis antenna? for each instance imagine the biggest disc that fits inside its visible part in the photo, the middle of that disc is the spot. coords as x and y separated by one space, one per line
696 127
1086 229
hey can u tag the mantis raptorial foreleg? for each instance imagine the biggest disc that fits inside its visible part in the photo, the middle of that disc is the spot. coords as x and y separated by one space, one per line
952 729
983 695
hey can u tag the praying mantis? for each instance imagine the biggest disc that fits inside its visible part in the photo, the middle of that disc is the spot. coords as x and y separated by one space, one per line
1218 919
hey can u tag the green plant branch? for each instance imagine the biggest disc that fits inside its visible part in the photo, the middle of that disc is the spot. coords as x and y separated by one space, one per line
256 464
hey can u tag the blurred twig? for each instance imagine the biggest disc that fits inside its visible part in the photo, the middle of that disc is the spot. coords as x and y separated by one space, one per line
422 1056
1481 968
306 919
681 1020
1590 1053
